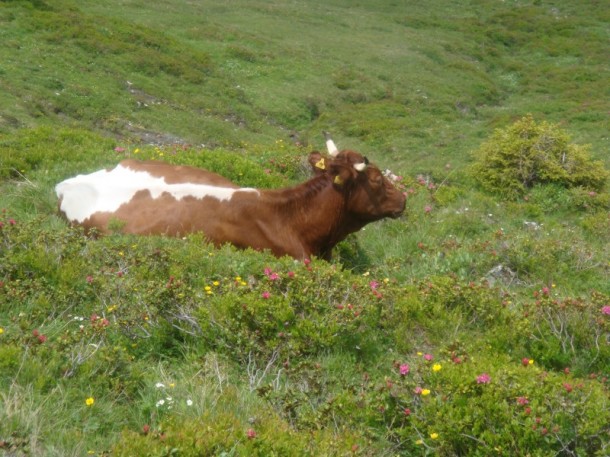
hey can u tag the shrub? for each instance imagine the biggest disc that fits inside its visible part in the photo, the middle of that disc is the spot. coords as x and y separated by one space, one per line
570 332
527 153
304 311
468 406
225 434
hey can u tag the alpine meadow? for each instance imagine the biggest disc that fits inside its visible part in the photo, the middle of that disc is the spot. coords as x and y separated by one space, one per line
476 324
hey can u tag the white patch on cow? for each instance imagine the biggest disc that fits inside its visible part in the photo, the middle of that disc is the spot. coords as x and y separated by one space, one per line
105 191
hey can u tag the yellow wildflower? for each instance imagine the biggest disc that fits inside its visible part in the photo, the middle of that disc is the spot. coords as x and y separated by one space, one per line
89 401
436 367
434 435
425 392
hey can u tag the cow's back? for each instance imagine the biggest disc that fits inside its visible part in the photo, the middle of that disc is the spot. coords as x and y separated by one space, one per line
135 192
174 174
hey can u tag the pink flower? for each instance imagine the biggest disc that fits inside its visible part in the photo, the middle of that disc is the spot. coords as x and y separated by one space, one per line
89 279
11 222
428 357
251 434
418 390
267 271
483 379
428 209
522 401
274 276
407 412
525 361
374 285
119 149
291 274
404 369
606 310
568 387
266 295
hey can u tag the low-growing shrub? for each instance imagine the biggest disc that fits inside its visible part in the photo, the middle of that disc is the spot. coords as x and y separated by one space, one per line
224 434
571 333
472 405
296 312
528 153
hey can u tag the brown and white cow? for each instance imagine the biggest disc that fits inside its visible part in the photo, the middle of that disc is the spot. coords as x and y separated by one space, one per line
150 198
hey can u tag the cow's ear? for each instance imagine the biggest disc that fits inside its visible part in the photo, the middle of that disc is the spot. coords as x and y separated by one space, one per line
342 174
318 163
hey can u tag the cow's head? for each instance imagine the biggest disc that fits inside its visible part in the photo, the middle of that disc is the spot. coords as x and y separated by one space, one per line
370 196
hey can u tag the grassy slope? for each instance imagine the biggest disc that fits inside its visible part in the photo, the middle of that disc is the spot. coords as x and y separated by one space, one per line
416 86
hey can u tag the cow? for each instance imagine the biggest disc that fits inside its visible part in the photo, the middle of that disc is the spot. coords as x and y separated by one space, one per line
154 198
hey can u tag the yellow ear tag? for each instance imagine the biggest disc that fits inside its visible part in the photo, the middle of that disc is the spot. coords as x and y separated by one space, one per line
320 164
338 180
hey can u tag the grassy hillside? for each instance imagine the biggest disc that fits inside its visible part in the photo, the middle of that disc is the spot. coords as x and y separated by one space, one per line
475 325
420 84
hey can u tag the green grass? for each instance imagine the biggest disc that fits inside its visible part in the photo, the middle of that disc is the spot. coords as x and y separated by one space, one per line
418 85
478 281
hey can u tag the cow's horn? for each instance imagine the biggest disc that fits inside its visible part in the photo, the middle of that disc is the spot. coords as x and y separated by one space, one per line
330 145
360 166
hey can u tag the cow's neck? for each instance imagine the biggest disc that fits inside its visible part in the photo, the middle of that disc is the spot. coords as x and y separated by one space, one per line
317 212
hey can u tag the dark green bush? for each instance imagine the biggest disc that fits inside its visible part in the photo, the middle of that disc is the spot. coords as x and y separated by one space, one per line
527 153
